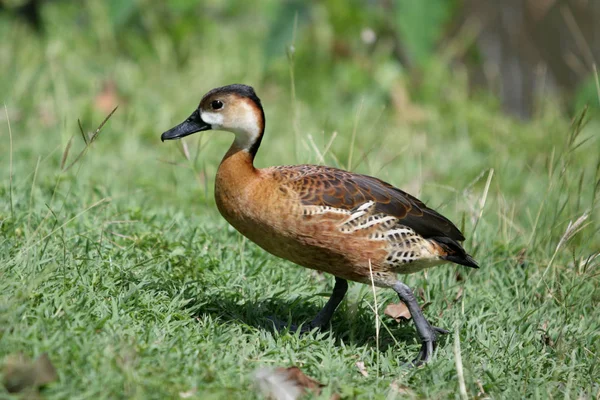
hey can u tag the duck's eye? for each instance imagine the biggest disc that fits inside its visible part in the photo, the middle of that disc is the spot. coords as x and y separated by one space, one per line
216 104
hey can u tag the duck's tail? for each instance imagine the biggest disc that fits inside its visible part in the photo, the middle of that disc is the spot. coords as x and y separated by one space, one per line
452 251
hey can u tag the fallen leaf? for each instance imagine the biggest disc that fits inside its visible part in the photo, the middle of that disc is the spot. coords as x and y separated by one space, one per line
295 374
361 368
398 311
285 383
20 373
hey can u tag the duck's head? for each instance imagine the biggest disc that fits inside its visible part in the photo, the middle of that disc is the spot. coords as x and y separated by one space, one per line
232 108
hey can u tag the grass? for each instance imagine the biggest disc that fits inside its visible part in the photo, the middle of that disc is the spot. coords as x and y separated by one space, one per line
121 269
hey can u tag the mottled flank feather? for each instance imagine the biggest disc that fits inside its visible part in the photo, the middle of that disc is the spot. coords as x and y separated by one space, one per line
320 186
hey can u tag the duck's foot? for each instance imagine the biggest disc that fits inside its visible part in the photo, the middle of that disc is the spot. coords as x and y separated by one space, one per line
427 349
427 333
323 317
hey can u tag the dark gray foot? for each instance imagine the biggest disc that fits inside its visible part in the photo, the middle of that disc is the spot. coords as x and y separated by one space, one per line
324 316
427 333
427 349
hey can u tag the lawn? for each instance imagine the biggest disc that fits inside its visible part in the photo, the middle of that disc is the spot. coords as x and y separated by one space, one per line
118 265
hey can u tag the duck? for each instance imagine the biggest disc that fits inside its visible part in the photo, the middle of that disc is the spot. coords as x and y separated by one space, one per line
355 227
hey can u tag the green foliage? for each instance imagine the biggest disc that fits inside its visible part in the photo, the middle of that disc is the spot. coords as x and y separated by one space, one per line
421 24
588 94
121 269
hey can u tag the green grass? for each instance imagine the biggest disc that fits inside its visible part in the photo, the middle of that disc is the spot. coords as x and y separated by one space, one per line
123 272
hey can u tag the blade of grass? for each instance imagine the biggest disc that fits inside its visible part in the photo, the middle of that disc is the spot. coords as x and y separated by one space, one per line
482 201
10 163
83 135
460 374
376 308
354 129
66 153
96 204
35 172
92 138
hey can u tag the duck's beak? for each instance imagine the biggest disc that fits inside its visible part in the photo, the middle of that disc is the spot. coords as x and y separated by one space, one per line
191 125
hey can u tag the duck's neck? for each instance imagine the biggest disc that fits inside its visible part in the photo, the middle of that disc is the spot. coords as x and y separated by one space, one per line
241 153
236 168
235 174
238 157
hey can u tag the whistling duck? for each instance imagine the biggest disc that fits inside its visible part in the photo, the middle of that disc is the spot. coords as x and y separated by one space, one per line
352 226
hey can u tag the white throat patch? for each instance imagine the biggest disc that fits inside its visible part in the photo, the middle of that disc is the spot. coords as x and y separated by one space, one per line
245 124
214 119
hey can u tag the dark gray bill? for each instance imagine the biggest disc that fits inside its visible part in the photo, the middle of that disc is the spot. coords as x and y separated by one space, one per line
191 125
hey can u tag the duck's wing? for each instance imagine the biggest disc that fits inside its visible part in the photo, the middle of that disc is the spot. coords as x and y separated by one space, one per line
332 187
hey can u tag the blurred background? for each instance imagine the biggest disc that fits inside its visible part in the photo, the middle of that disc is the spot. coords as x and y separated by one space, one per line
522 51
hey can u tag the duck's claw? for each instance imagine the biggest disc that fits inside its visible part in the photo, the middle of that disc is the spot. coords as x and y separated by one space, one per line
424 355
427 348
440 330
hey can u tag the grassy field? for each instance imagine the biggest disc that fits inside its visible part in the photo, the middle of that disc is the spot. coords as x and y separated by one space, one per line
121 269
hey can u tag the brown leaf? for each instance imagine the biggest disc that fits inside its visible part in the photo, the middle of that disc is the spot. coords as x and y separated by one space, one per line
398 311
296 375
20 373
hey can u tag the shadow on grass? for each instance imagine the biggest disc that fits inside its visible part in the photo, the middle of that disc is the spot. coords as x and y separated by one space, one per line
356 328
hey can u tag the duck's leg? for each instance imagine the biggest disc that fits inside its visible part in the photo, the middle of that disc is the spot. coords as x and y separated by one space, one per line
427 333
324 316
